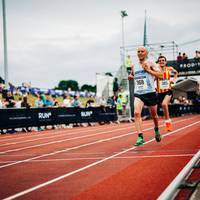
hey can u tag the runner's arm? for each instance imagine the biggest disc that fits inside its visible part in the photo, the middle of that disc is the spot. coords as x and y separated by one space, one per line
131 75
152 70
175 74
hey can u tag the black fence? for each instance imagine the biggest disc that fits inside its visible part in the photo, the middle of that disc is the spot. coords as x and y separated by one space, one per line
176 110
179 110
18 118
186 67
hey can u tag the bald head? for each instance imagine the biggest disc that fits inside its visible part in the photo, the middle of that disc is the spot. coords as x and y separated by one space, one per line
142 53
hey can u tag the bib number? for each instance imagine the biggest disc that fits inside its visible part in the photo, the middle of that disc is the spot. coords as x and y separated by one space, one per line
141 84
164 84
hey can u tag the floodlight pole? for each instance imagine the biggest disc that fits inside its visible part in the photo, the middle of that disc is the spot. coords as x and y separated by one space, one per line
123 50
5 44
123 14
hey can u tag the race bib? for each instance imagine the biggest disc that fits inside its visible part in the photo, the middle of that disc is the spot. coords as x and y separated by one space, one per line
140 84
164 84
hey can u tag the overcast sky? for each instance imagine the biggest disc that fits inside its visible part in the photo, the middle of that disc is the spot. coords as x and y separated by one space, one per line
53 40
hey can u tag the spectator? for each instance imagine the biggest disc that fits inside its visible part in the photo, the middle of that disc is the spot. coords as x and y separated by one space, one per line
124 100
89 103
179 57
119 105
55 101
1 104
128 63
76 102
39 102
9 100
197 55
67 101
112 101
185 101
49 101
2 86
176 101
24 103
18 103
180 99
43 98
115 87
185 57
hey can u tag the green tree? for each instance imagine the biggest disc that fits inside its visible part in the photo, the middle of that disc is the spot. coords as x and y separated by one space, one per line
89 88
66 84
1 80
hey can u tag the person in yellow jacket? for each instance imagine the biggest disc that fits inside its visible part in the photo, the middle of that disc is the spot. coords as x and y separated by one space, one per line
164 89
128 63
123 100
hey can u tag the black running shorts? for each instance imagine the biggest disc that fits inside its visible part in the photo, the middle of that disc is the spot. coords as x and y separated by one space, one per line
149 99
162 95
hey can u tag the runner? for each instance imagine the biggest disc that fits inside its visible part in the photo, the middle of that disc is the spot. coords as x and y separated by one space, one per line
144 74
164 89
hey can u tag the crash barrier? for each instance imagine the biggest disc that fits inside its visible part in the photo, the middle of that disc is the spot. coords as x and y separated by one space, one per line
189 66
176 110
179 110
23 117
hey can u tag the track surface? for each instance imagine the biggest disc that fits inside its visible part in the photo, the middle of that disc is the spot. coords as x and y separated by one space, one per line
97 162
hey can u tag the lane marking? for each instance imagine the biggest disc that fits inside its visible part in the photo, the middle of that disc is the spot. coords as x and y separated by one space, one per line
98 158
49 137
87 166
72 148
57 131
65 131
60 141
69 139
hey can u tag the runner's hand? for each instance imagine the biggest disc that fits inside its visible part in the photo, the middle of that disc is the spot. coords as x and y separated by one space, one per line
130 77
146 67
172 84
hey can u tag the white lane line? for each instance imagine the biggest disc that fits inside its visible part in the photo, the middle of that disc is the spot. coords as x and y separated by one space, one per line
49 137
99 158
69 139
65 132
72 148
56 132
87 167
64 140
67 153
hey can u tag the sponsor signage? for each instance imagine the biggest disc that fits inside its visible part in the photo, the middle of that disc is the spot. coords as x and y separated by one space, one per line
22 117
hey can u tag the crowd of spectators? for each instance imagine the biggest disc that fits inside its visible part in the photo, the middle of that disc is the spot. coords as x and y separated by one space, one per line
182 57
182 100
11 100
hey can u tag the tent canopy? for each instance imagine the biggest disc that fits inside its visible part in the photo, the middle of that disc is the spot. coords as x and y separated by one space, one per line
186 85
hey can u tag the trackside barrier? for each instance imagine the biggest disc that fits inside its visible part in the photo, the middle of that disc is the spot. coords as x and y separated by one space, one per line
170 191
179 109
176 110
22 117
187 67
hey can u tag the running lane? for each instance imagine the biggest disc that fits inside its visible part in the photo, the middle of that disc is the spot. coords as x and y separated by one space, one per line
81 183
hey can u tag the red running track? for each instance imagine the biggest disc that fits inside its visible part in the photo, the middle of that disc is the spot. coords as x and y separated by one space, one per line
97 162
